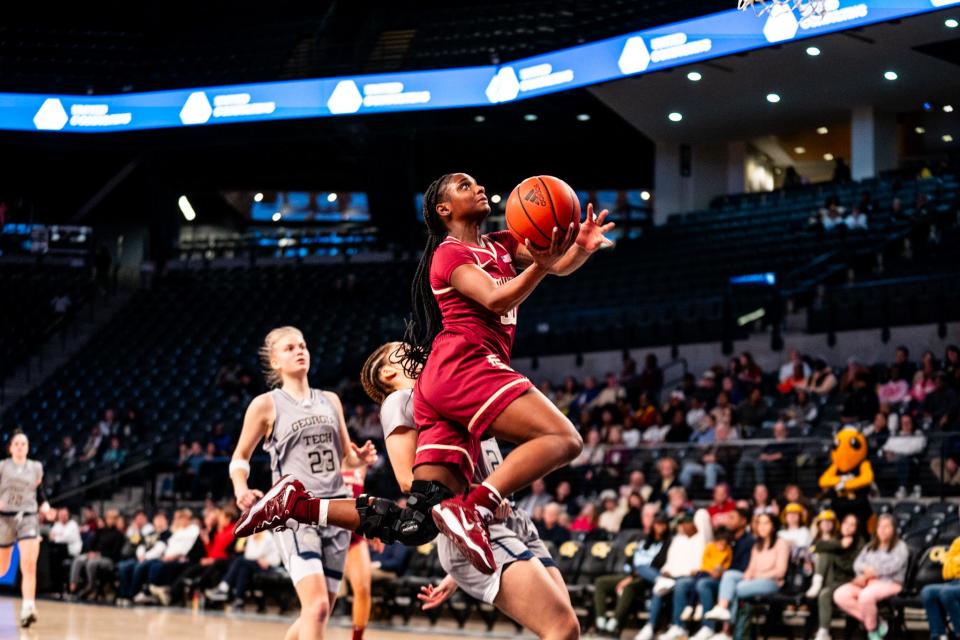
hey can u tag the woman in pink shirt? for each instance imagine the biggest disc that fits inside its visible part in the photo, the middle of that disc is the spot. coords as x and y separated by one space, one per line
764 574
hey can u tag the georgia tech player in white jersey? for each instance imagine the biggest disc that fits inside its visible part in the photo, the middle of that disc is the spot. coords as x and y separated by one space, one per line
524 565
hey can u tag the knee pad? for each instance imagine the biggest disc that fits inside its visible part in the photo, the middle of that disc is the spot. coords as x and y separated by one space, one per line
411 525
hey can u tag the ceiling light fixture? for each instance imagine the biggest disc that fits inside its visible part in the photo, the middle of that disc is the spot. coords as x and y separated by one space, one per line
828 157
823 131
675 116
694 76
773 98
813 51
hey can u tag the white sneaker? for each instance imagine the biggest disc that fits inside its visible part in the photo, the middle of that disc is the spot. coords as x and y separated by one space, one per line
611 625
822 634
721 636
674 633
601 623
698 613
705 633
718 613
815 586
901 493
687 613
28 615
663 586
646 633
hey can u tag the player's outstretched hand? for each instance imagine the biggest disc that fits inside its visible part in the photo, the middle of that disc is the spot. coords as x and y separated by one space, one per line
433 596
367 454
248 498
559 243
503 512
591 236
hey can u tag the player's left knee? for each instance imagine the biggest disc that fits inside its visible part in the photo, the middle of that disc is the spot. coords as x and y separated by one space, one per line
318 611
573 444
567 627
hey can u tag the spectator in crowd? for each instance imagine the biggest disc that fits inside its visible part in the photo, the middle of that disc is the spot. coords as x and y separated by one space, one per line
905 367
108 425
593 452
696 413
131 425
586 521
881 569
633 518
679 431
550 528
877 435
717 558
646 414
651 378
363 426
789 368
611 395
946 467
563 496
678 503
260 554
684 556
389 563
924 380
723 411
834 567
861 404
566 395
795 530
803 412
721 507
792 494
943 600
773 457
708 586
585 397
795 381
675 404
841 171
183 547
905 450
636 483
754 410
857 220
625 588
115 454
764 575
218 543
538 497
667 468
611 514
895 391
66 531
792 179
139 528
822 381
546 388
750 372
951 365
102 556
221 440
67 452
132 572
763 502
940 405
92 445
849 376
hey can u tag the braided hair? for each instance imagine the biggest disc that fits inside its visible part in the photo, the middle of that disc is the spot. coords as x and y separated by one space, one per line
370 374
426 320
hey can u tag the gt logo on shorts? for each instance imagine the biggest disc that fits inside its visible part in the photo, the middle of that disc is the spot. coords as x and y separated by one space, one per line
494 361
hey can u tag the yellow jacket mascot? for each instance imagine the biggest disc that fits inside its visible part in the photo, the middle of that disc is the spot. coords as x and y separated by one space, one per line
848 480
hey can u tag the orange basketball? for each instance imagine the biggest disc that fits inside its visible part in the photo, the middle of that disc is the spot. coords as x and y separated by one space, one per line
539 204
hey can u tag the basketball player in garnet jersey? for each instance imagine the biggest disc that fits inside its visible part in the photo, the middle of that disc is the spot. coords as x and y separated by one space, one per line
465 295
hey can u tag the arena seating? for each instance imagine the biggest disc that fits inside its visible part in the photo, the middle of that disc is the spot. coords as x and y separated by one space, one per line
26 312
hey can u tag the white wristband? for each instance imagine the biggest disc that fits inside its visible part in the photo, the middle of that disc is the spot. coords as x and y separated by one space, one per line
240 465
324 510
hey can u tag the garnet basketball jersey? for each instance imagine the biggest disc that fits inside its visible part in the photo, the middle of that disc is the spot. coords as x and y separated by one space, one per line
463 315
306 443
18 486
397 411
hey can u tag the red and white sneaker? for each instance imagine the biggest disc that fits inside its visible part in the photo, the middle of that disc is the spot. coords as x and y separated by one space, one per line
274 510
465 527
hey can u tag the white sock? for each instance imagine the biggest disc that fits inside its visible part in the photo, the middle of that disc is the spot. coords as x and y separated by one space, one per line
223 586
29 604
324 510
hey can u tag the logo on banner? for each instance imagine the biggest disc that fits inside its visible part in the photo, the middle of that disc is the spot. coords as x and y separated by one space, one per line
51 116
392 94
198 110
635 56
345 98
504 86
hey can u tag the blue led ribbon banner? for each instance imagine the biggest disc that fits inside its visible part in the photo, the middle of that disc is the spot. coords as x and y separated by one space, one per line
704 38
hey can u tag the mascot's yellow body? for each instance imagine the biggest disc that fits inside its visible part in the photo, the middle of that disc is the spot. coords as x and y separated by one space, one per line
848 479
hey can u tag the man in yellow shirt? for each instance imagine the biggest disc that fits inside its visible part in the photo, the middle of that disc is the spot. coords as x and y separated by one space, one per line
940 599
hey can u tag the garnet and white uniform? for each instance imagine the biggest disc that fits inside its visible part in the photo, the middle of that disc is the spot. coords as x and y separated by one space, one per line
306 442
467 381
353 479
514 539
